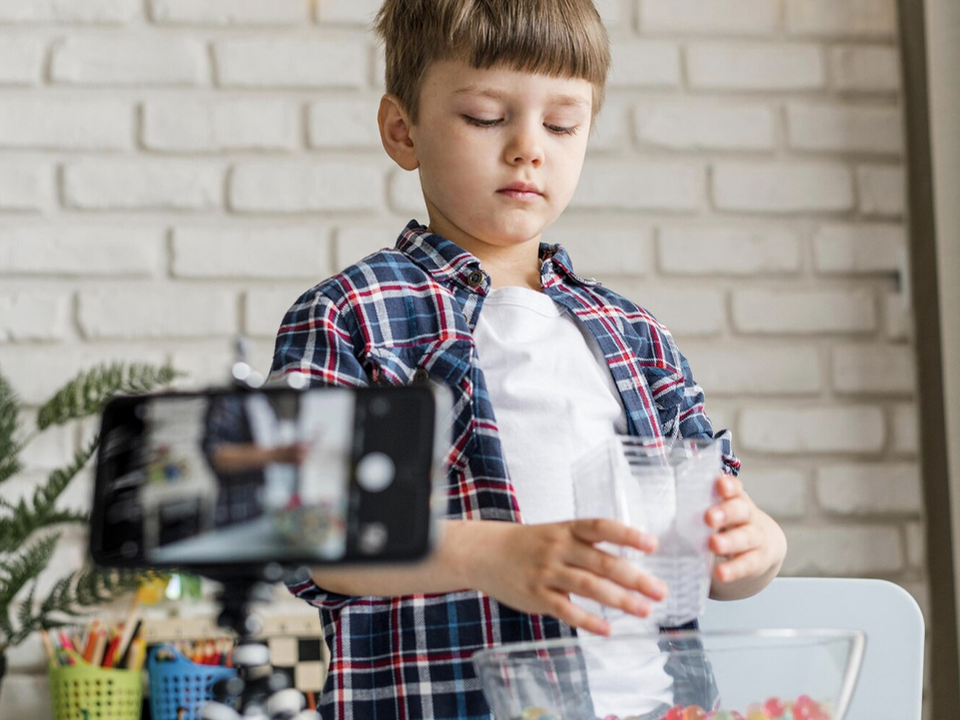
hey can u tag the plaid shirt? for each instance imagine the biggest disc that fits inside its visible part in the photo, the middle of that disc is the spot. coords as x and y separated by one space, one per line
402 312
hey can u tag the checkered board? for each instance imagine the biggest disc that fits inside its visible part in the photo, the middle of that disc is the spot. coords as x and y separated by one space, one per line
295 642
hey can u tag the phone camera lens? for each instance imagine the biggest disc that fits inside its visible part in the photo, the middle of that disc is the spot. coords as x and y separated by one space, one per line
373 538
379 407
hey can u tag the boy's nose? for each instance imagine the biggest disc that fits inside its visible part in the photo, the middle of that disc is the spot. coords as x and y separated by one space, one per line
525 149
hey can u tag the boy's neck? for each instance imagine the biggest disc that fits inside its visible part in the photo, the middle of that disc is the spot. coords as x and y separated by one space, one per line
508 266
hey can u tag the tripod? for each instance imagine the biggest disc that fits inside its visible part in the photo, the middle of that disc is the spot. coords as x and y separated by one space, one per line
257 693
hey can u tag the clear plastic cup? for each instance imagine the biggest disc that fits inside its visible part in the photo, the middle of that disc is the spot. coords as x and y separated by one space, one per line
663 487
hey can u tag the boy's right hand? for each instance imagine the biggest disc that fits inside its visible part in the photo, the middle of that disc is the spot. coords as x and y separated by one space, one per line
535 568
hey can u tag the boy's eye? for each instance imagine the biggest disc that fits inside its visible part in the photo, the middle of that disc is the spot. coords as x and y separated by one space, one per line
561 130
482 123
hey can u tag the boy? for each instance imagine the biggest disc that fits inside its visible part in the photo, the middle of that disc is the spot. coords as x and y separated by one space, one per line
492 102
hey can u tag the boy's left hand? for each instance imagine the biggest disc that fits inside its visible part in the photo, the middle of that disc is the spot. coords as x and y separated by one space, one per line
750 545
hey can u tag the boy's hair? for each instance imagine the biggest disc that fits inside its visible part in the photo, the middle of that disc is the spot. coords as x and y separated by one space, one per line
564 38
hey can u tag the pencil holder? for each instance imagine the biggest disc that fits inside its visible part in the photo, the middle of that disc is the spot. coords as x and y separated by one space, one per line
179 688
87 692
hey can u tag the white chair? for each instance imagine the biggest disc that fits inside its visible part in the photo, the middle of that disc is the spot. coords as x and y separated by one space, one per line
891 677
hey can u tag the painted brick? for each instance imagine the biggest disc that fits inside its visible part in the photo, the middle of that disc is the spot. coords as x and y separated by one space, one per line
718 17
706 125
209 363
80 250
906 429
878 488
280 252
898 320
916 545
845 128
598 252
112 12
644 63
650 185
26 696
820 429
355 242
727 251
864 248
756 370
804 311
29 657
136 185
291 63
753 67
230 12
882 190
36 373
344 123
30 316
866 68
856 18
781 492
305 187
874 369
406 194
51 449
66 124
782 187
129 60
21 59
265 309
611 11
202 126
26 186
168 311
844 551
687 312
353 12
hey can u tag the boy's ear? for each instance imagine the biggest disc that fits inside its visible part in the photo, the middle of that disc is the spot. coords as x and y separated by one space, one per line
395 134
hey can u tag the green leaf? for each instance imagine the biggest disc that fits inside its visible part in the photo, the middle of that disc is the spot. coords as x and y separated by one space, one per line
9 422
21 568
89 391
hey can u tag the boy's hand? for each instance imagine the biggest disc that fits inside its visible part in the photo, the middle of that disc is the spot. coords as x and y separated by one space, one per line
534 568
749 542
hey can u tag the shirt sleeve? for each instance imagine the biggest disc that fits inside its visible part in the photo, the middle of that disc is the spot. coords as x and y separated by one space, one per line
695 424
317 339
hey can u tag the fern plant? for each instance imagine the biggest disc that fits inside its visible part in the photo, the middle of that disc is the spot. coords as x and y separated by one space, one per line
28 534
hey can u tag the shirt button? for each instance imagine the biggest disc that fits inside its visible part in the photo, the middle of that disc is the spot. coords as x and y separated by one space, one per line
475 279
421 376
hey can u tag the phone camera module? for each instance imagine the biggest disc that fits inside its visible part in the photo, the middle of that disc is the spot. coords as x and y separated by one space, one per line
379 407
373 538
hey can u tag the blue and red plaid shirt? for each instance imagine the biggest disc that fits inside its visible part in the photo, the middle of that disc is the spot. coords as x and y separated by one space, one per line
412 309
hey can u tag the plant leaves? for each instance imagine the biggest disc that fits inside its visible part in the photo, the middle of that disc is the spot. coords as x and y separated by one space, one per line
89 391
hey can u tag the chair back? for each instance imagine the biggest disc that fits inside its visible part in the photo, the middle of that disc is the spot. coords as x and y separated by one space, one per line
891 677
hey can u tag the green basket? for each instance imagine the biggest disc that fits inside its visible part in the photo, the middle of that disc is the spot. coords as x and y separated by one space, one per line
87 692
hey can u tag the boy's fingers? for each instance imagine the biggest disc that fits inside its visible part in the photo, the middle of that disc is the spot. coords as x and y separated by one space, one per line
745 565
735 541
730 513
729 486
599 530
618 570
590 586
577 617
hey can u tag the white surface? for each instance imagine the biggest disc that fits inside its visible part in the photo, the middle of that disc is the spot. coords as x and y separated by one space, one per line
891 678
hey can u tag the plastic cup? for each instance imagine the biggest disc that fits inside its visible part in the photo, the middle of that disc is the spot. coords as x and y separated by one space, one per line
663 487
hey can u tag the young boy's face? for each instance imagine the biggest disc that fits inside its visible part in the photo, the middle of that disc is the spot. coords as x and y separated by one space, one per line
499 151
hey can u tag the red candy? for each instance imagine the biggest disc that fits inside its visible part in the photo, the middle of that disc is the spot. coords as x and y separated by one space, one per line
803 708
774 707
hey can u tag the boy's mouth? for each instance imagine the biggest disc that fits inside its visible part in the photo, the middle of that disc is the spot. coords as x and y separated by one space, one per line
521 191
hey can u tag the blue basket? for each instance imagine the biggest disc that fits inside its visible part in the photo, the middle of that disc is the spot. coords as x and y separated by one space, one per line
181 684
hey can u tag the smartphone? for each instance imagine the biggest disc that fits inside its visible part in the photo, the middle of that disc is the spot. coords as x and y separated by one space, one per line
228 479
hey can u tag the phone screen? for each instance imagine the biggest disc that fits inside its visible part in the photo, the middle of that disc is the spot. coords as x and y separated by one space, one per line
327 475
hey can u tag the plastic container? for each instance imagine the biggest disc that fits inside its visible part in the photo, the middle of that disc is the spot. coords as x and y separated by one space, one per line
662 487
87 692
759 675
180 685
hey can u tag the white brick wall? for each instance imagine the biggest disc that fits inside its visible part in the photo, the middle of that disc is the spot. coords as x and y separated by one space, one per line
175 172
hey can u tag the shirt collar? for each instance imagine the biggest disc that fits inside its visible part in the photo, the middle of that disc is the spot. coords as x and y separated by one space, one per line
446 261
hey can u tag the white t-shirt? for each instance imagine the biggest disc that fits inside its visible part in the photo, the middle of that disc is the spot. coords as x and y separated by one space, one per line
553 398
